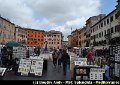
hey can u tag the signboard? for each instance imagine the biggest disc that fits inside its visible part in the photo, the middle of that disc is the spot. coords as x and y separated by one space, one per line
2 71
81 61
96 73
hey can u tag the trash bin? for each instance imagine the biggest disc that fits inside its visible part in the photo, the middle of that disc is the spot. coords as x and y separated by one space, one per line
45 65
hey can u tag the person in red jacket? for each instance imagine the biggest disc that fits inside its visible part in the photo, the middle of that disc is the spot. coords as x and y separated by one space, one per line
89 56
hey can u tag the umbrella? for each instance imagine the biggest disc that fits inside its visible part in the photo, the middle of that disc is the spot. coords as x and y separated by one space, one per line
13 43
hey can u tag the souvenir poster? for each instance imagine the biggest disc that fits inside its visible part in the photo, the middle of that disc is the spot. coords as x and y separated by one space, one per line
82 71
96 76
78 77
2 71
19 52
24 66
39 68
72 59
77 71
81 61
33 66
96 73
117 69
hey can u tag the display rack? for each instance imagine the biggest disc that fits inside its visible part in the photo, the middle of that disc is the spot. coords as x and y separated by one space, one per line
80 71
115 62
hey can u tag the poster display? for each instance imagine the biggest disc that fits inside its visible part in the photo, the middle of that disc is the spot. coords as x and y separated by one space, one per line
96 73
24 66
81 61
117 70
34 66
39 68
19 52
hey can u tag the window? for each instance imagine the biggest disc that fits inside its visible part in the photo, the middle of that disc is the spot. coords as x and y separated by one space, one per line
102 34
112 30
111 18
57 42
104 22
107 21
117 14
99 35
108 31
117 28
101 24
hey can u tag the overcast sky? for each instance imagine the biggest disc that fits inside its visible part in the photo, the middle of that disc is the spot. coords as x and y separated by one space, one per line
59 15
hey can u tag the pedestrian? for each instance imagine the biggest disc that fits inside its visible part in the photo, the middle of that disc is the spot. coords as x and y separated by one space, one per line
106 68
65 60
4 57
10 58
55 57
89 56
59 57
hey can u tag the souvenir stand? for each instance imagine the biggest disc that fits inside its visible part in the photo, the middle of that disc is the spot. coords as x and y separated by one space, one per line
82 69
33 66
115 62
18 54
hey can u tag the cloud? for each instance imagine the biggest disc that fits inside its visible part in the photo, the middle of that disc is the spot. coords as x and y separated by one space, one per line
64 10
39 14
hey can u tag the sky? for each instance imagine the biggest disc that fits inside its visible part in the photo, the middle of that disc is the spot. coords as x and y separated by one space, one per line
59 15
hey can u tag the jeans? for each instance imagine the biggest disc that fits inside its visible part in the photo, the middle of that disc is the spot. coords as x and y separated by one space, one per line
64 67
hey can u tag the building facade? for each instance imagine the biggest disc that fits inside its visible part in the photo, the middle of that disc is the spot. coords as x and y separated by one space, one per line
20 35
54 39
89 23
69 41
35 38
83 37
7 31
64 44
104 32
75 38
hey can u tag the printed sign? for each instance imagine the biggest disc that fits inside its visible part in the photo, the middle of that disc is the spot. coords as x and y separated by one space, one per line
96 73
2 71
39 68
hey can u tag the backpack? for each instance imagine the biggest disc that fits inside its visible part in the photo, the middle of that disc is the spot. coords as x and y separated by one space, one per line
55 55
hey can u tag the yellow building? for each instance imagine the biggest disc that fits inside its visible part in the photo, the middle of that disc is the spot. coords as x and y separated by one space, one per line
7 29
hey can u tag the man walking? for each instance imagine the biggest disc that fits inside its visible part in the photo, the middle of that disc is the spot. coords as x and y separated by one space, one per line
65 60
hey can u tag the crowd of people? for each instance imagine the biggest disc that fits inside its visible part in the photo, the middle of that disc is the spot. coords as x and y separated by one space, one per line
61 59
